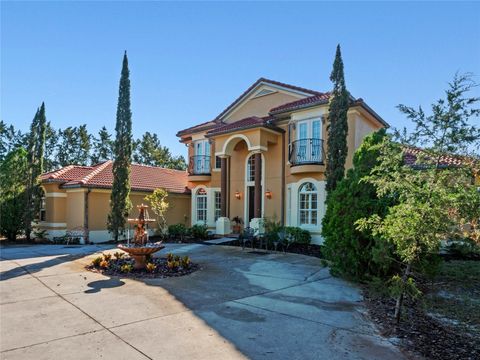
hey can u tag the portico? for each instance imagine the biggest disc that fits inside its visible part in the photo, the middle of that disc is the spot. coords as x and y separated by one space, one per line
246 148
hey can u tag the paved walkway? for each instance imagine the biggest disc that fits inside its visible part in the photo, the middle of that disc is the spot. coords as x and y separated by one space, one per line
240 305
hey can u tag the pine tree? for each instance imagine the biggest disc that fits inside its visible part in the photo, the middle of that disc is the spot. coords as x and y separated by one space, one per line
120 204
337 125
36 151
102 147
74 147
149 151
51 142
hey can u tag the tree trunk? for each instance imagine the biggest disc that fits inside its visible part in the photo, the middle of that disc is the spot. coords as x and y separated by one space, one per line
399 303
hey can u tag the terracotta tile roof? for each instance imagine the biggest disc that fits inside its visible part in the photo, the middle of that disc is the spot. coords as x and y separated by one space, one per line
298 104
246 123
266 81
142 177
410 155
200 127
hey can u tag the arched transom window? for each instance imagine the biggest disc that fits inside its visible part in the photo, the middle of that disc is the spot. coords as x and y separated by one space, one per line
201 196
308 201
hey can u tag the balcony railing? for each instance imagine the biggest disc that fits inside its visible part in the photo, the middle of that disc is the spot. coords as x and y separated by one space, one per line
199 165
306 151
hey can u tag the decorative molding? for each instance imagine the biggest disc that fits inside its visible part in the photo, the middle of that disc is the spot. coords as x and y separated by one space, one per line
55 194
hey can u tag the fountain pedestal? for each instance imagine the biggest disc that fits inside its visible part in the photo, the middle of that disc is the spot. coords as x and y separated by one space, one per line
140 247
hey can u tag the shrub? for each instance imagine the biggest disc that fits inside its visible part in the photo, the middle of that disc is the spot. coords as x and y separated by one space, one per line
355 254
107 257
170 257
298 235
151 267
96 262
104 264
200 231
173 265
118 255
177 231
186 262
126 268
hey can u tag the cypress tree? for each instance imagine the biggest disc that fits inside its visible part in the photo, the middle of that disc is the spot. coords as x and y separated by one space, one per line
337 125
120 204
35 158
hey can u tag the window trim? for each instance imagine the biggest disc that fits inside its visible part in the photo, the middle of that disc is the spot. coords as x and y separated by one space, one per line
201 193
309 210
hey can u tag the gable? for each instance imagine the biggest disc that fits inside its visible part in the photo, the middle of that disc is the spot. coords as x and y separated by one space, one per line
259 102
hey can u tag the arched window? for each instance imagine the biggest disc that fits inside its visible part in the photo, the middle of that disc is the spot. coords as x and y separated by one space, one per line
308 199
201 196
251 168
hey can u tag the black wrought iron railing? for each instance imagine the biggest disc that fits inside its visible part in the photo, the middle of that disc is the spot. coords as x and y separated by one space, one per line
199 165
306 151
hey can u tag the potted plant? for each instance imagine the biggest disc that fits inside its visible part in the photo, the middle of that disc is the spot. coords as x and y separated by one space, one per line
237 227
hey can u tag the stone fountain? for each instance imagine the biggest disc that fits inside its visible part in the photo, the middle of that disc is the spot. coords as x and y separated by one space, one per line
140 247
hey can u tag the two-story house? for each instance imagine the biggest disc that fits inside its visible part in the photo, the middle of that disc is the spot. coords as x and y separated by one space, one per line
264 156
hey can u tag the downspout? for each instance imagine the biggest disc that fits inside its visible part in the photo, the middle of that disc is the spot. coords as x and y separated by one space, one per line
283 180
85 216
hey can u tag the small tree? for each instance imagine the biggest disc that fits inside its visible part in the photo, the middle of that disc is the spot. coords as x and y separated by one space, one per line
120 204
13 177
430 193
355 254
337 125
159 203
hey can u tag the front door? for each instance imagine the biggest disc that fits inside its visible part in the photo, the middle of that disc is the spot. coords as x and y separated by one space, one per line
251 203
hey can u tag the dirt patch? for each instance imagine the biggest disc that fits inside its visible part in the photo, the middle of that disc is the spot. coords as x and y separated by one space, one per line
445 323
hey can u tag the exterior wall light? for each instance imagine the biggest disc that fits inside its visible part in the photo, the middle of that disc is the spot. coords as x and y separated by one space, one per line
238 196
268 194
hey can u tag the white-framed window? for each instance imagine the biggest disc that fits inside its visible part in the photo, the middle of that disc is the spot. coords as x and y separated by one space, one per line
218 205
202 157
218 162
43 212
201 205
251 168
308 204
309 148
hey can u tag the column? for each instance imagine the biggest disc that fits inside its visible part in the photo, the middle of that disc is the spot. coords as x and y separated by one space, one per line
223 187
258 186
223 223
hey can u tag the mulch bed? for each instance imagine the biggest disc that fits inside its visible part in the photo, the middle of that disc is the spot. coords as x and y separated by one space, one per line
302 249
419 332
161 271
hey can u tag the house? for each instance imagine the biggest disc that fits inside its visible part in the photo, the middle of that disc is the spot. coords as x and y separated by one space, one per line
79 197
264 156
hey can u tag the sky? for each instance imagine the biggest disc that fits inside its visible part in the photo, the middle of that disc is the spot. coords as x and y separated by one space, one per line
189 60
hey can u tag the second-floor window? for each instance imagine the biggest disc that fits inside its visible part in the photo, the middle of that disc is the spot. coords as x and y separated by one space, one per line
308 145
201 157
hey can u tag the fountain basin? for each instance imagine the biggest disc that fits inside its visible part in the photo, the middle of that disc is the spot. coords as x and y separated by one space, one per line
139 253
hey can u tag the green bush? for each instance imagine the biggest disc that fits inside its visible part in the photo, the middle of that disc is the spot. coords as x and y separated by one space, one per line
355 254
199 231
299 235
177 231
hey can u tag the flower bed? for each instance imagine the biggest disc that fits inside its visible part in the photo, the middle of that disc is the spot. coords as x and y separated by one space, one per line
121 265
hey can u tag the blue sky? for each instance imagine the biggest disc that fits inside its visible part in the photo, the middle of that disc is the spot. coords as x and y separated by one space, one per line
188 61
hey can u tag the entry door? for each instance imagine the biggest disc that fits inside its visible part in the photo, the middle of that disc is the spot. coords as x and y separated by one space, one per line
251 203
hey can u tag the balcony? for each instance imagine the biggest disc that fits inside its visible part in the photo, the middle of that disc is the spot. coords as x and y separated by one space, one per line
306 155
199 168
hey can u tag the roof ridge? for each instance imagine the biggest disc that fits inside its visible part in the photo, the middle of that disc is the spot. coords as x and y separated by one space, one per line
157 167
262 79
59 172
99 169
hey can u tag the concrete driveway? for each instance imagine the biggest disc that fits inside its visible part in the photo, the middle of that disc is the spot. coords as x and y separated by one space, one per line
239 305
